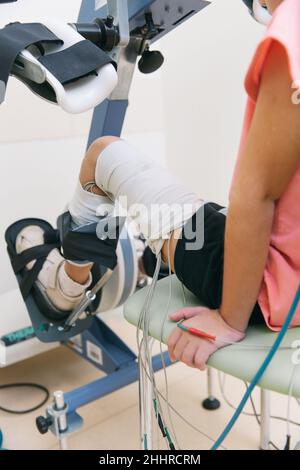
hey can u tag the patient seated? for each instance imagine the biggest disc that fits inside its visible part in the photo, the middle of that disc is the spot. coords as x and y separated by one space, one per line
60 268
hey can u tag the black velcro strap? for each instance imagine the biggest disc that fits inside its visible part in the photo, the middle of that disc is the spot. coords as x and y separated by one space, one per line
31 276
20 261
83 246
77 61
14 38
38 254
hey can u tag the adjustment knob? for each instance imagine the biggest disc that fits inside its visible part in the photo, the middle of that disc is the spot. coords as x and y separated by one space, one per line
109 21
43 424
151 61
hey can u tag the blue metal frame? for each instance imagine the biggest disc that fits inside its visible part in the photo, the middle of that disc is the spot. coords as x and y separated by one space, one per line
167 14
109 117
117 360
115 354
112 382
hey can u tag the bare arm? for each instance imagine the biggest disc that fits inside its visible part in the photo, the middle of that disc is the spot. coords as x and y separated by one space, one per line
269 161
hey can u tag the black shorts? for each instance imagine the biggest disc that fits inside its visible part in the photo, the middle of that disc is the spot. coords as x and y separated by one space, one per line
201 270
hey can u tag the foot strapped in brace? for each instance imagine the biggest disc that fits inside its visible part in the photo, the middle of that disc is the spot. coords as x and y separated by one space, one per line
51 324
95 242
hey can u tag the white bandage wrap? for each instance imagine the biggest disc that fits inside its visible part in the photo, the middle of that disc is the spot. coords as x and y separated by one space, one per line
261 14
157 201
86 208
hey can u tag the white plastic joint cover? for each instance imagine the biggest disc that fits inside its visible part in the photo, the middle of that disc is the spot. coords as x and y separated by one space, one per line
83 94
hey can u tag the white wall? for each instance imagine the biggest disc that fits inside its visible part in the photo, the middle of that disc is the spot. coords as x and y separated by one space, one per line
206 60
20 116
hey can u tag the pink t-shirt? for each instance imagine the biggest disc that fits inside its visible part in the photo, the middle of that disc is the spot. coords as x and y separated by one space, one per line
282 272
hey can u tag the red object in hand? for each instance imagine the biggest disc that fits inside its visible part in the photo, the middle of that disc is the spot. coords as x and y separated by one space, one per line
201 334
195 332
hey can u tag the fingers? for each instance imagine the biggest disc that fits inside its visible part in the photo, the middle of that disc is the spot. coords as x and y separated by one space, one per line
180 346
200 358
193 353
188 355
183 346
175 336
185 313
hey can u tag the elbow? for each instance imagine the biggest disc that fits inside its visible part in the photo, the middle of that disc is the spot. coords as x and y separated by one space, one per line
253 198
254 190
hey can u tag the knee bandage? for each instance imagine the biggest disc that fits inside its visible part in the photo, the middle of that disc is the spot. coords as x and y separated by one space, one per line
153 197
86 208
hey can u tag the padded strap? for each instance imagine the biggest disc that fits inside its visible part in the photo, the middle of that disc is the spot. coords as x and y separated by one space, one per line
84 244
35 253
14 38
38 254
76 62
31 276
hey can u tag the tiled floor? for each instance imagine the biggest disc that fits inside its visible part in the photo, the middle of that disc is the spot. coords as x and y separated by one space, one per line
112 422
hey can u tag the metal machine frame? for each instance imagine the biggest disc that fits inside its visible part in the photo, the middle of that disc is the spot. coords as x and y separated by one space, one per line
149 20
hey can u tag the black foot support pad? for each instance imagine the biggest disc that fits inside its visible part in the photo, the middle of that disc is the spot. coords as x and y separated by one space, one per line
211 404
48 323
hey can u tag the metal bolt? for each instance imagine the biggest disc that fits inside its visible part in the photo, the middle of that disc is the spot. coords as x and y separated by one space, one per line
109 21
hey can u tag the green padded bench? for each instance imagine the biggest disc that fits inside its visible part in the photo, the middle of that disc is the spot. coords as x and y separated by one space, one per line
232 360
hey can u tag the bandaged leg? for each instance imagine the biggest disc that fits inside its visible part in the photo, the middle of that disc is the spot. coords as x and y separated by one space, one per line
150 194
63 290
156 200
87 207
89 204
